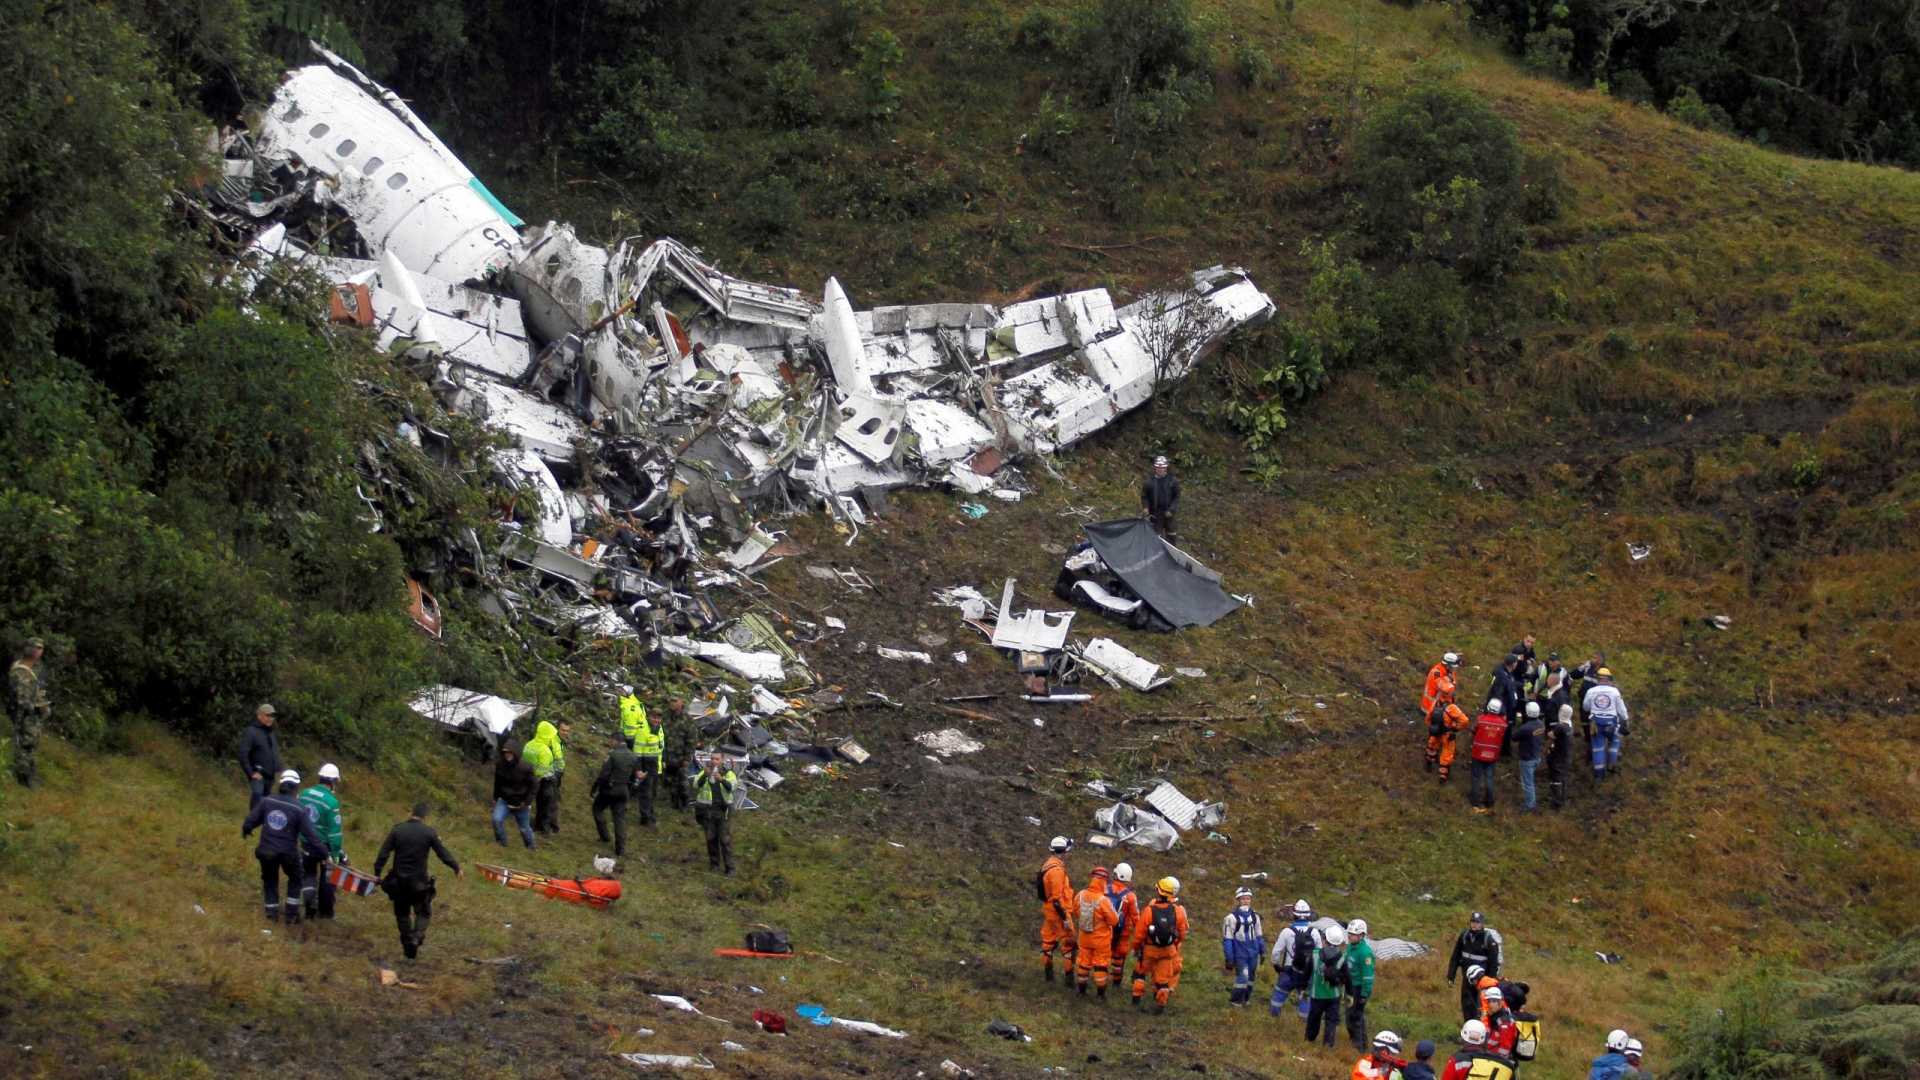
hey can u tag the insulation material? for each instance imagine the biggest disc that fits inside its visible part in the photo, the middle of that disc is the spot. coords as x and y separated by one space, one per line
950 741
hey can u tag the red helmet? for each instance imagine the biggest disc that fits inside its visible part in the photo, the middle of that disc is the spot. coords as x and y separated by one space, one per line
1099 871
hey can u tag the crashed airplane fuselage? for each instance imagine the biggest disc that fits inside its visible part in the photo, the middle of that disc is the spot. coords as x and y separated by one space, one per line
748 394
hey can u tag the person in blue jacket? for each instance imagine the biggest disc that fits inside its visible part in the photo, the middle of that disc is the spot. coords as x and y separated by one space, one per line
1243 942
283 823
1612 1065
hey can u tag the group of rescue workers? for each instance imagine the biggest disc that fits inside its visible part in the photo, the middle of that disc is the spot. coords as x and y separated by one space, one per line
1528 716
301 838
1330 967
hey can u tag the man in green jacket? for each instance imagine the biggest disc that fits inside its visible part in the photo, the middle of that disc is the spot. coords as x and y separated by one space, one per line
323 806
649 744
1359 983
548 762
679 757
1324 989
713 799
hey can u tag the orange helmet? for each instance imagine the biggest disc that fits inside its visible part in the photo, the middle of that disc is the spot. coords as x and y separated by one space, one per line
1099 871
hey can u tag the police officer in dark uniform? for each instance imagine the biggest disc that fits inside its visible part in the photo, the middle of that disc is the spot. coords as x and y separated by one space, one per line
610 790
713 798
1478 945
408 886
283 823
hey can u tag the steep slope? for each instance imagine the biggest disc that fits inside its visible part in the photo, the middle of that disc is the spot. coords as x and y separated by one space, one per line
1711 351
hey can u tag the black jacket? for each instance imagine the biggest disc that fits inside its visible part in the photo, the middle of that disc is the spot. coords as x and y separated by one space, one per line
1559 749
1474 947
616 775
1161 494
512 777
283 823
1526 739
408 843
260 752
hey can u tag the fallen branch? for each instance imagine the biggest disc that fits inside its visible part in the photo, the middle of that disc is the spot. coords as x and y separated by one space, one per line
968 714
1102 249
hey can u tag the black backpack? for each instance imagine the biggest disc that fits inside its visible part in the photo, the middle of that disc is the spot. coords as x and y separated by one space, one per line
1302 959
1437 719
769 941
1164 930
1040 885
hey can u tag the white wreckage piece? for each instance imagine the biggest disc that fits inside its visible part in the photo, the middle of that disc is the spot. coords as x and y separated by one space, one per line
404 189
469 711
1112 658
1035 631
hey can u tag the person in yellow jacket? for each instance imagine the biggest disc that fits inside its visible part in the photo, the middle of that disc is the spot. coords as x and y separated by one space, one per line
714 795
647 741
549 762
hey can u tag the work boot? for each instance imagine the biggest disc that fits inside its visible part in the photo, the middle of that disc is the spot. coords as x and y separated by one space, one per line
273 914
1082 983
1048 971
1159 1007
1432 765
1136 1002
1101 993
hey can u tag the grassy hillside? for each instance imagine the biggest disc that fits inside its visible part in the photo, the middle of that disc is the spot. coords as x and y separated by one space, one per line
1712 350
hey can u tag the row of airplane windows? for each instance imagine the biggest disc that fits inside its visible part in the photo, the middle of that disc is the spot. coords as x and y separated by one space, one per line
395 181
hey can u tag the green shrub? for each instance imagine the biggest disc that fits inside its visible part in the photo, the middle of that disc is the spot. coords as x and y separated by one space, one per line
637 124
1044 29
1438 176
1146 59
791 84
1424 314
1688 107
1252 65
1054 124
769 207
879 54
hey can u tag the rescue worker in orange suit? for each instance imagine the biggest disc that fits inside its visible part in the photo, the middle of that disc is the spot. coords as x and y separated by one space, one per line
1484 984
1056 893
1443 738
1384 1063
1126 904
1093 923
1157 941
1435 703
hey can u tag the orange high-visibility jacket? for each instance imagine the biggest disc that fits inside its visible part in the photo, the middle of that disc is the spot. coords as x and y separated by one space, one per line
1059 889
1439 688
1146 924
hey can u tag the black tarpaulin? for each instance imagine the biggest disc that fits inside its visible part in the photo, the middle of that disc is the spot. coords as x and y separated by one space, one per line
1179 590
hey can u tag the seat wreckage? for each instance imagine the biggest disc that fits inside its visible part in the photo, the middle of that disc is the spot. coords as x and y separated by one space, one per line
661 409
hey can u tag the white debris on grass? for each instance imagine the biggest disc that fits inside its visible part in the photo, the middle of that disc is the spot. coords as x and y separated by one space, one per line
949 741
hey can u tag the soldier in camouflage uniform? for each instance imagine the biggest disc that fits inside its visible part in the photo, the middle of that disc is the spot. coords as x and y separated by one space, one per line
28 708
679 752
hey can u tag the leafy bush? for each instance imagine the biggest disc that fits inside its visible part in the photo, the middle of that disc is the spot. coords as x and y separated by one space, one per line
769 207
1054 123
1252 65
1148 60
1044 29
637 126
1438 175
1425 315
879 54
795 98
1688 107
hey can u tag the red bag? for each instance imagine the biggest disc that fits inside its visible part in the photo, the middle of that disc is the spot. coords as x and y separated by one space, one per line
771 1022
1489 731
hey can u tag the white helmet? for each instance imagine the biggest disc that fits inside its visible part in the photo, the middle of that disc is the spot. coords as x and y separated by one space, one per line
1533 709
1473 1033
329 771
289 777
1493 994
1060 843
1357 928
1302 909
1451 659
1244 893
1617 1039
626 688
1387 1041
1494 706
1634 1049
1336 936
1123 872
1474 971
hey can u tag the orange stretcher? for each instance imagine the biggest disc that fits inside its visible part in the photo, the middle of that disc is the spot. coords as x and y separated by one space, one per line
595 893
750 954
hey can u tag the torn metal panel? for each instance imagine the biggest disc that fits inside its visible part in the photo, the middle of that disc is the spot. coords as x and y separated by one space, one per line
944 432
462 710
404 190
1172 805
562 280
870 426
526 471
1096 594
540 426
756 666
1129 667
548 559
1034 631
